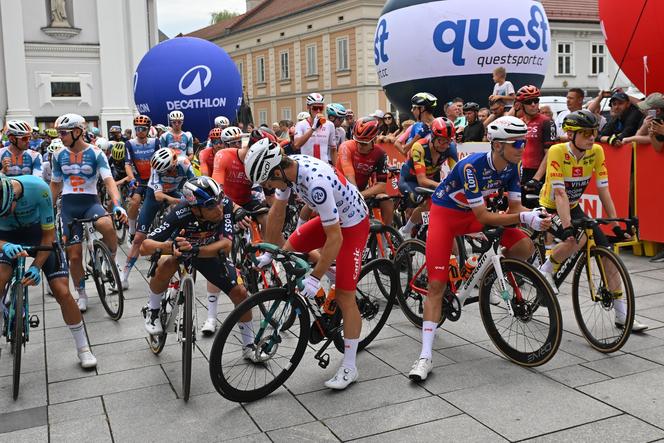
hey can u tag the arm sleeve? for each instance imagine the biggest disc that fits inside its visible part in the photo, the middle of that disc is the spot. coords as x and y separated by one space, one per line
190 144
549 133
332 138
155 182
104 168
56 170
345 160
381 168
554 167
219 168
322 195
227 230
513 187
601 172
417 154
37 166
128 154
202 160
45 206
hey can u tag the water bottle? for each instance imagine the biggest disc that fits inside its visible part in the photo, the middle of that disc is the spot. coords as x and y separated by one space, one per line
330 305
471 264
455 273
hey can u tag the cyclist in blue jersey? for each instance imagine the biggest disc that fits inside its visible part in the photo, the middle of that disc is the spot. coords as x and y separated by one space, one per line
16 158
458 208
75 171
176 138
26 218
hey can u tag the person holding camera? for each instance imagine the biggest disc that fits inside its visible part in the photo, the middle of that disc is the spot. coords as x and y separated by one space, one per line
625 119
653 110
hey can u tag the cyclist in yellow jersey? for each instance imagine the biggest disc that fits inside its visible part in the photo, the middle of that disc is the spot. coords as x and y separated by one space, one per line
568 171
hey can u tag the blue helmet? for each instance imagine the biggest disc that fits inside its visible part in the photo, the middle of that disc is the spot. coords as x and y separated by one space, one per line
202 191
336 110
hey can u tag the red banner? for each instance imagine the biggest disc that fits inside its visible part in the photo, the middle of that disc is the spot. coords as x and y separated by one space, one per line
649 186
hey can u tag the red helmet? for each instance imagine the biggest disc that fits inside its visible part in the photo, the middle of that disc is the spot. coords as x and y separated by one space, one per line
365 129
215 134
442 127
260 133
527 92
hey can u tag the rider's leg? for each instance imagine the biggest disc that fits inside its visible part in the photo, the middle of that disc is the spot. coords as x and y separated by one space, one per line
132 212
105 227
387 211
75 255
213 297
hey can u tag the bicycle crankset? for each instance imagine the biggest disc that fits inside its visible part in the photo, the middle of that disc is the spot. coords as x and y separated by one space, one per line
451 306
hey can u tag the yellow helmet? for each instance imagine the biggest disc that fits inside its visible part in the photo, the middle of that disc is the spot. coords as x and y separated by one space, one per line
118 151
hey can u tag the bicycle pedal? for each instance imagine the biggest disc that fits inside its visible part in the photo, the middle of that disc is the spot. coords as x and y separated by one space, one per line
34 321
323 360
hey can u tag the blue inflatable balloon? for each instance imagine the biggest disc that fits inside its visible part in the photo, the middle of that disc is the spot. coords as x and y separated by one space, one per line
191 75
451 47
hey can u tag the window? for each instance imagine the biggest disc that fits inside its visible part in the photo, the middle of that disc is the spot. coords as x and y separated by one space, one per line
597 58
564 65
312 62
285 113
342 54
65 89
285 74
260 69
262 117
240 68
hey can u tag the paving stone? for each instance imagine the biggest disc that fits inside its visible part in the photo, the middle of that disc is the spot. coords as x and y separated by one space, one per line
63 363
23 419
200 375
32 359
31 435
621 365
560 360
513 407
620 428
253 438
107 332
644 285
463 353
32 391
642 341
72 410
574 376
579 347
87 429
142 357
278 410
310 432
652 354
400 353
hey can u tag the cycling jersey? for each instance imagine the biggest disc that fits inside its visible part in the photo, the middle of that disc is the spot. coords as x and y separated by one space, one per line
229 173
474 178
327 192
420 161
117 168
206 159
46 166
565 171
79 171
28 162
541 135
33 207
320 142
339 136
139 156
173 179
362 167
183 142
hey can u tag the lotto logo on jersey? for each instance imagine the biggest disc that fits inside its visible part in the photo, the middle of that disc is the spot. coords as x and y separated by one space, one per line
577 171
471 181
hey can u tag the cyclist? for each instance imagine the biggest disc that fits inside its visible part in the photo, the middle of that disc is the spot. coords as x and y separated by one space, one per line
16 158
458 208
360 161
117 163
169 173
56 144
114 134
569 169
222 122
75 170
423 167
422 106
336 113
177 139
341 230
26 218
215 143
200 227
104 145
314 136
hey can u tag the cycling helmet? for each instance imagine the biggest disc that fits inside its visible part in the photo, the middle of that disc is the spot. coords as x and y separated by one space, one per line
118 151
175 115
261 160
70 121
315 99
161 127
163 159
51 132
142 120
471 106
56 144
114 129
580 120
506 128
442 127
261 133
349 112
365 129
202 191
6 195
152 132
303 116
221 122
19 128
95 130
336 110
424 99
527 92
101 143
231 134
214 134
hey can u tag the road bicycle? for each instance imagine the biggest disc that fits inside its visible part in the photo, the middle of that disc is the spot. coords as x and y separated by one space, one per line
247 372
383 240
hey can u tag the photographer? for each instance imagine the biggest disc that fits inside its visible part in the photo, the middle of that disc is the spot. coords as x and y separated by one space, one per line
653 110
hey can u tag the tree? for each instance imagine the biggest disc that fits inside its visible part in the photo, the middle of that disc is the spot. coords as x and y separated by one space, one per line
216 17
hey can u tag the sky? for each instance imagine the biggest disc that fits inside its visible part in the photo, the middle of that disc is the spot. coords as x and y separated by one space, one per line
175 16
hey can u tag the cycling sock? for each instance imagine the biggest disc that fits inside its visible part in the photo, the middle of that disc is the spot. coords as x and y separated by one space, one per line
212 304
78 331
428 334
620 305
547 266
132 226
350 352
154 302
409 226
247 332
300 222
131 261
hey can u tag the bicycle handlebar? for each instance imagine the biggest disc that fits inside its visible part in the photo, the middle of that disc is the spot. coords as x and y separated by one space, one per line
294 262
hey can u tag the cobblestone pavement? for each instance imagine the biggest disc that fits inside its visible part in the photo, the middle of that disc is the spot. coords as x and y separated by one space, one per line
472 395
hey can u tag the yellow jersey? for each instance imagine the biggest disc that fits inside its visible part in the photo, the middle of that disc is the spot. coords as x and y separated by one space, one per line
564 170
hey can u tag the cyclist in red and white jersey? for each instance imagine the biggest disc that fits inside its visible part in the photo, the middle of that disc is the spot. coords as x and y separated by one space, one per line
206 156
315 136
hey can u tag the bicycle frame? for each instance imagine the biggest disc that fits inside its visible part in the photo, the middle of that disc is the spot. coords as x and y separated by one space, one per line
17 276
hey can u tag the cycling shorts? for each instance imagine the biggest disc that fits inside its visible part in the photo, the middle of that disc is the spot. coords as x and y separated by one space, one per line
78 206
444 225
55 265
149 210
140 189
577 213
254 204
311 235
210 267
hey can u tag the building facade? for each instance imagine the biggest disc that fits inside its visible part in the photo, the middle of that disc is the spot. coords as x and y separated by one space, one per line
77 56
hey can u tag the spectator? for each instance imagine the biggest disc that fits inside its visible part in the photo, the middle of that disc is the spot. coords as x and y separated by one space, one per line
497 109
250 128
546 110
275 128
503 89
624 122
450 110
474 129
574 98
483 114
653 108
460 120
378 114
282 129
349 124
388 131
128 133
240 125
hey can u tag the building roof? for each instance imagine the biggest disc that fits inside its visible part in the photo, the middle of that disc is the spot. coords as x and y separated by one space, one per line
269 10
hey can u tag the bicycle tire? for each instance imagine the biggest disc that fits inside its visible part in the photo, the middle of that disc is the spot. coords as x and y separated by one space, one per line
390 236
370 308
603 309
543 301
18 329
105 270
187 287
228 342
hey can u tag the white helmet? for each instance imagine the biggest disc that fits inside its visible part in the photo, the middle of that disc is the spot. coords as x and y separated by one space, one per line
18 128
303 116
261 159
506 128
152 133
70 121
175 115
315 99
231 134
163 159
221 122
102 143
56 144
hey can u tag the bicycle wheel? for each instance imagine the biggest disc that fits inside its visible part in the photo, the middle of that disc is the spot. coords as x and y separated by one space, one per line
376 290
246 373
531 336
188 336
18 293
596 318
168 305
107 281
383 242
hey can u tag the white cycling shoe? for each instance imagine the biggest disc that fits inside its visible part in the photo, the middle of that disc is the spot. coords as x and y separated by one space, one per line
82 303
405 233
549 278
421 369
153 323
87 358
342 378
637 326
209 327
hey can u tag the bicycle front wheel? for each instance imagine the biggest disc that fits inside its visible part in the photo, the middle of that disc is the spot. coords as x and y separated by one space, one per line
107 281
530 335
18 294
188 336
602 290
252 357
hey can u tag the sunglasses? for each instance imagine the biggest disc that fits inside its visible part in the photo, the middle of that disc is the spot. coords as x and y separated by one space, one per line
317 108
517 144
532 101
216 141
234 143
388 117
64 132
588 133
211 202
140 128
444 140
